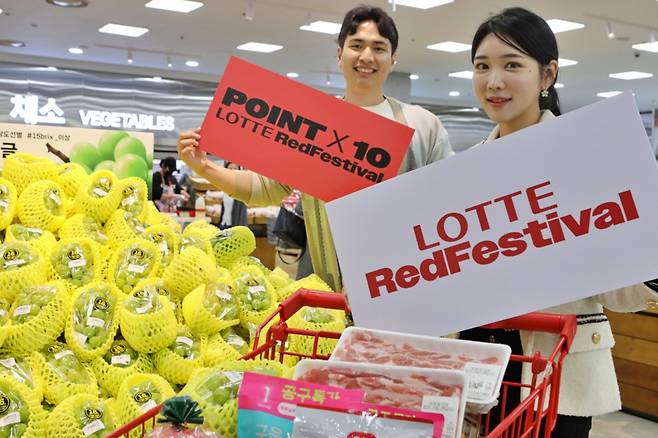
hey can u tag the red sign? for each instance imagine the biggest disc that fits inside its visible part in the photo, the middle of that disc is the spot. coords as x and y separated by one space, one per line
300 136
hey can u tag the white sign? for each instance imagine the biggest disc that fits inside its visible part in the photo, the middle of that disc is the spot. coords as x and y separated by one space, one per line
551 214
26 107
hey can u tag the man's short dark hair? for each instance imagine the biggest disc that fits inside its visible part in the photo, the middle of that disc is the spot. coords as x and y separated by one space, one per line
363 13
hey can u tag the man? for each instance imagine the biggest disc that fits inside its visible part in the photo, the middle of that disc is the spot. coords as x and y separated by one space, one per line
366 54
166 190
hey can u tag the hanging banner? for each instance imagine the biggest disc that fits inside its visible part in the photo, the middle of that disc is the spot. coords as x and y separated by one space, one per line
554 213
300 136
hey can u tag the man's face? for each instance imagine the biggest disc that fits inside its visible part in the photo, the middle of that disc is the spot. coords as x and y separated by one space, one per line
366 58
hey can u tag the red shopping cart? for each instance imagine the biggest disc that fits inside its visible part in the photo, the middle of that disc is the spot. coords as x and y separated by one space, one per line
536 413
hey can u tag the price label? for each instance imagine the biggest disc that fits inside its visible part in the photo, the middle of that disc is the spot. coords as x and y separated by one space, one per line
93 427
149 405
55 198
482 379
77 263
164 247
8 362
185 340
136 268
3 203
130 200
23 310
256 289
144 309
448 406
63 353
95 322
16 262
121 359
100 192
81 338
9 419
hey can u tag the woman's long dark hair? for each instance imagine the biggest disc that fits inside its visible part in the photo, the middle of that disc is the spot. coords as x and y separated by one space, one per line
528 33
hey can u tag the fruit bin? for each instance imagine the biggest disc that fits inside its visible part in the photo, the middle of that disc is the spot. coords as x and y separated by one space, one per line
524 421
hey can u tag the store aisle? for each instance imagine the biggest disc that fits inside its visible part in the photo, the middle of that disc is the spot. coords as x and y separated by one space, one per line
622 425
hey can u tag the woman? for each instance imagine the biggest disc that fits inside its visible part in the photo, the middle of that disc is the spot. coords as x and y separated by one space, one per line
514 57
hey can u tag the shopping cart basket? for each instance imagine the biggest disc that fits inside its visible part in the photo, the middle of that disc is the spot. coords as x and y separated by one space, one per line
536 412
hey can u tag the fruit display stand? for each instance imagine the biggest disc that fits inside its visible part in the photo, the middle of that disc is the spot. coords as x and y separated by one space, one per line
524 421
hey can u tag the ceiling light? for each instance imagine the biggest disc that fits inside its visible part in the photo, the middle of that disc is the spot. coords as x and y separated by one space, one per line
15 44
169 64
120 29
0 11
562 62
609 30
608 94
414 77
157 78
259 47
450 46
322 27
558 85
454 93
76 51
130 58
558 25
292 74
630 75
51 68
192 63
466 74
468 110
183 6
421 4
69 3
647 47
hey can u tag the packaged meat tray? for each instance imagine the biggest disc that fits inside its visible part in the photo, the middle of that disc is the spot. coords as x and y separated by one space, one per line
483 363
420 389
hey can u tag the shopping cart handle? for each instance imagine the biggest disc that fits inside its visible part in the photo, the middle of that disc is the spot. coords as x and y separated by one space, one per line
564 325
310 298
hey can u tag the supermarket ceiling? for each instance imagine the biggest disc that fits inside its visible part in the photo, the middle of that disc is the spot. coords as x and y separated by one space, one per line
209 35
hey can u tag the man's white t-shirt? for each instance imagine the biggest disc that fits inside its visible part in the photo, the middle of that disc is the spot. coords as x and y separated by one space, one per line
384 109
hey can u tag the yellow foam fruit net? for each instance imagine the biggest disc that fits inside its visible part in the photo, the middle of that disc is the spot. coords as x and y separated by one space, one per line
63 374
23 169
21 371
218 351
81 416
261 366
279 279
132 261
315 319
311 282
76 261
70 177
232 243
212 307
240 263
80 225
134 193
202 227
151 215
147 321
197 239
40 205
165 239
38 315
123 226
216 391
178 361
119 362
257 296
21 414
41 240
93 322
20 268
100 196
187 270
170 222
140 393
8 202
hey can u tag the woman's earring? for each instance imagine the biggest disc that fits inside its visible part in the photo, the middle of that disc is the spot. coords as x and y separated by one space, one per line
544 94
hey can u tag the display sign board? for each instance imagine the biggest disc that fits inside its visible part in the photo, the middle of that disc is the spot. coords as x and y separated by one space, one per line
556 212
300 136
126 153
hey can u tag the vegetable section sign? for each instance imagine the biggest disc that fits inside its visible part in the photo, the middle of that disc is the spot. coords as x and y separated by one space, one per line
300 136
557 212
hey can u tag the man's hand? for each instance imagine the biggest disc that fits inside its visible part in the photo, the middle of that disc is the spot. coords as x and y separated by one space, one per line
188 151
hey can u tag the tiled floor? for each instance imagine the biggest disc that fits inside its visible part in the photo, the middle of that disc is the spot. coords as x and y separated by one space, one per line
622 425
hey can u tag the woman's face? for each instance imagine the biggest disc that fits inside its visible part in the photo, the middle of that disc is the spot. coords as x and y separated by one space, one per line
507 83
